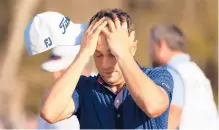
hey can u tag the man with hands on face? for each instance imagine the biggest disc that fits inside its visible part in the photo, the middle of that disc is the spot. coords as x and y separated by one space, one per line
123 95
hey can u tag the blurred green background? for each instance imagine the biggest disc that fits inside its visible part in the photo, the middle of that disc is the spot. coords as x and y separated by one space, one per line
197 18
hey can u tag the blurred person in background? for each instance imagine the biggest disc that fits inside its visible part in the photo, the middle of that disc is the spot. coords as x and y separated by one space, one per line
192 104
60 59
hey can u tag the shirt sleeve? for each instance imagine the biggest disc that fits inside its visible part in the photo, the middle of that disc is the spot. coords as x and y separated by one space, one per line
163 79
178 90
78 93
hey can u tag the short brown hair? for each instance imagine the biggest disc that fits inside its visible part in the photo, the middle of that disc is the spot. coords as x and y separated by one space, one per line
171 34
118 12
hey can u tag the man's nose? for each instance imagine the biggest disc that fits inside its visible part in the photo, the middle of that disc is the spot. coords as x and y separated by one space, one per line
106 63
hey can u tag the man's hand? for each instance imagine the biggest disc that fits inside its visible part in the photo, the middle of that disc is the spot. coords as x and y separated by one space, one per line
117 36
89 41
57 102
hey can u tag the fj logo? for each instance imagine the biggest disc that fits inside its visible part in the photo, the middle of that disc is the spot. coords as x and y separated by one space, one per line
48 42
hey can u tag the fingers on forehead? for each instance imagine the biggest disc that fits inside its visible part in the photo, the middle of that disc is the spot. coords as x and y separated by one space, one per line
95 23
123 20
95 19
100 27
120 19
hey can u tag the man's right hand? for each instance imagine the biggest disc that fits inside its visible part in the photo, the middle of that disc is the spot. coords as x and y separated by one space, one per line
57 102
89 41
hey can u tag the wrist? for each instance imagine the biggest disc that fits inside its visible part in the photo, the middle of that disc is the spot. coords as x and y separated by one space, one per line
123 56
124 60
84 56
87 52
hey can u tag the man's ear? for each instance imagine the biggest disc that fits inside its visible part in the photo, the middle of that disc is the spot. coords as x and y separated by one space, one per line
132 36
133 42
163 44
134 47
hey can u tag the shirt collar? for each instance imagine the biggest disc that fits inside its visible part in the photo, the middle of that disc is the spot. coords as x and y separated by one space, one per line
179 58
103 83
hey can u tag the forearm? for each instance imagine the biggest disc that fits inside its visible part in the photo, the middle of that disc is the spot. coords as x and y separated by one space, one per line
58 96
174 117
173 123
146 94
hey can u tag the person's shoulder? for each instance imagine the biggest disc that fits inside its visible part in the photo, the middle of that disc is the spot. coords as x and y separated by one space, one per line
93 74
85 81
161 71
171 70
161 76
88 78
176 76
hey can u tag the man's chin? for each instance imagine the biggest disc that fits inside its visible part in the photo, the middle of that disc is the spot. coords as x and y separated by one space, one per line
110 81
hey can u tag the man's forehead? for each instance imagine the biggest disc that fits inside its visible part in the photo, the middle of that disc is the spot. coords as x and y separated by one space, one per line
102 42
102 48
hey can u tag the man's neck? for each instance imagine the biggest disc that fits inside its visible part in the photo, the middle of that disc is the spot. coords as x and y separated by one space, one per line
117 88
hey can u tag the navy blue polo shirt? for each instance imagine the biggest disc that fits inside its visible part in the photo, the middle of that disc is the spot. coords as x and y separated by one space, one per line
95 104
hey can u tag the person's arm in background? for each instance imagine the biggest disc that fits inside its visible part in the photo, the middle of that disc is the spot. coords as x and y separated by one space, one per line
177 100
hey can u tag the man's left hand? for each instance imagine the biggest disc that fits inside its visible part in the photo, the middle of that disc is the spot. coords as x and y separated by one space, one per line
117 36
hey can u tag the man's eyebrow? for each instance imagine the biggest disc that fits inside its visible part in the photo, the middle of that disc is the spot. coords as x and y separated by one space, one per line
97 51
100 51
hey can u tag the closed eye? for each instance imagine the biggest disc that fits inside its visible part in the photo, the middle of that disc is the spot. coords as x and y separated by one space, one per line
111 55
98 54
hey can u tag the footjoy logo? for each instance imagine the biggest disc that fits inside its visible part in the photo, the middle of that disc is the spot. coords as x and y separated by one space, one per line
64 24
165 85
48 42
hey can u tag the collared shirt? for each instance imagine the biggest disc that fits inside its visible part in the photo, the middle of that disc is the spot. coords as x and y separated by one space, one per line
119 96
95 104
178 91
